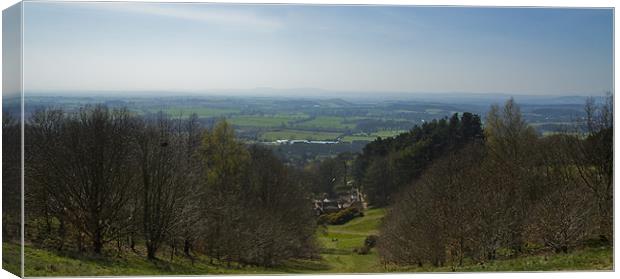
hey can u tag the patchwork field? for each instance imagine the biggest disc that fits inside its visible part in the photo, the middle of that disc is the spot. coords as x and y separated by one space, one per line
262 121
200 111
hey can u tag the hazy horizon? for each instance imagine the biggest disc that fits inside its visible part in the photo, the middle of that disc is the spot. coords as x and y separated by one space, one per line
408 50
271 91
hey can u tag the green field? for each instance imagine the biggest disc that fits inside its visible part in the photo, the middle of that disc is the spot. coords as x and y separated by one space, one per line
297 135
339 241
266 121
337 256
372 136
10 258
434 111
200 111
585 259
326 122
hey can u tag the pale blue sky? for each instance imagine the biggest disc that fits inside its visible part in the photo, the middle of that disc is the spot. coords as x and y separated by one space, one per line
194 47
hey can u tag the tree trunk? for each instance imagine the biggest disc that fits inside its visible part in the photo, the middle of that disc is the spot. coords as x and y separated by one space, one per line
62 232
132 244
151 249
97 243
186 247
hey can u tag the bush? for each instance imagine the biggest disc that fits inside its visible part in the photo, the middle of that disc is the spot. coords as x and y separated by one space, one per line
362 250
323 219
340 217
370 241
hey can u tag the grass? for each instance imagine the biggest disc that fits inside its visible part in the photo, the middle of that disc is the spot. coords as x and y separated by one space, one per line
337 256
326 122
11 258
41 262
369 224
298 135
266 121
338 242
586 259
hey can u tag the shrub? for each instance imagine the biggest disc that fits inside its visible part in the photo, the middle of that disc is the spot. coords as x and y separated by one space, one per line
362 250
340 217
370 241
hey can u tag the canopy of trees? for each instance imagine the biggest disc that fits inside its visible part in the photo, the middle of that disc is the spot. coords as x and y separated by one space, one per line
512 191
98 177
11 177
386 165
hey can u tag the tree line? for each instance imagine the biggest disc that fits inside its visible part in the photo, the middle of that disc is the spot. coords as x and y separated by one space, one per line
385 165
510 192
100 180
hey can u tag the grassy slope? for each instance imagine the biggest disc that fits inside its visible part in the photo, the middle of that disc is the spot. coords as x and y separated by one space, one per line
49 263
337 254
11 256
587 259
339 241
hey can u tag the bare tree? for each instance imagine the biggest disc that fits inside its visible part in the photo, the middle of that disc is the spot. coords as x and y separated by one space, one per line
82 161
434 220
563 215
161 164
11 177
509 141
593 158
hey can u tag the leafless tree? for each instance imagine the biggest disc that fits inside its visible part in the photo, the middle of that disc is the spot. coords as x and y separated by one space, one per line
161 163
593 159
11 177
81 160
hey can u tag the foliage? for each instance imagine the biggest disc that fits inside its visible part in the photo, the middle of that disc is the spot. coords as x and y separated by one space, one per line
339 218
110 178
386 165
496 199
370 241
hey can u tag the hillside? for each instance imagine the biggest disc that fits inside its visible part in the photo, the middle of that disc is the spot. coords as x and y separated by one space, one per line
337 244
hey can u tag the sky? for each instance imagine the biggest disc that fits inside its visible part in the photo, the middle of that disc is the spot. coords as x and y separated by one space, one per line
198 47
